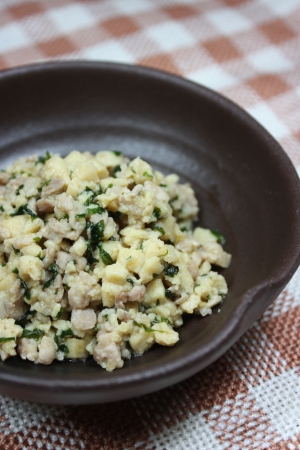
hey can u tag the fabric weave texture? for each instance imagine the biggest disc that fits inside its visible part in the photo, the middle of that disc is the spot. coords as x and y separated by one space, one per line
248 50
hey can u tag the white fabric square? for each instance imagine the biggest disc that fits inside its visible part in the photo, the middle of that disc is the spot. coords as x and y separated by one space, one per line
228 21
269 60
71 18
19 415
12 38
108 51
279 398
170 36
213 77
132 6
190 434
265 116
281 7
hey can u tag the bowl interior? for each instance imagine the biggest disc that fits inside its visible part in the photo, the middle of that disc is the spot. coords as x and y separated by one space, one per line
246 187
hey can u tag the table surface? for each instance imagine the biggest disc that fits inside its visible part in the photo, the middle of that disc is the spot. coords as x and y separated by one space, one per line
249 50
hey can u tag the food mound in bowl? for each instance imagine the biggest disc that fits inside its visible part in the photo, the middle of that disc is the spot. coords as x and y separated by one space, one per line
98 257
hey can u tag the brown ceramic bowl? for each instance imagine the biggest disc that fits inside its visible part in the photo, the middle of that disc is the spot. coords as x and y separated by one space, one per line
245 183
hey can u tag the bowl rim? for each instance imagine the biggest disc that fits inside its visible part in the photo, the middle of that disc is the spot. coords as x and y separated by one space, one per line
234 327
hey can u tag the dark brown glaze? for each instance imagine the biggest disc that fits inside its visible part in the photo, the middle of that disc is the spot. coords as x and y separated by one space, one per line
246 186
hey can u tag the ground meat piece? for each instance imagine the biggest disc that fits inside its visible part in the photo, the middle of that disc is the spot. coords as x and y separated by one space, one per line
11 303
57 230
64 202
106 352
187 245
28 349
214 254
49 257
84 289
45 205
83 319
47 350
181 299
62 259
55 186
194 264
4 178
158 191
136 294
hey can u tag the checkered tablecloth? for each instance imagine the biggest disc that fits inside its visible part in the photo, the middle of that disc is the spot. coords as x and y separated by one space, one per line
249 50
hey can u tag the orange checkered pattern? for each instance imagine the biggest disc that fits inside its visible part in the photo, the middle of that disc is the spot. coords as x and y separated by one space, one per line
249 50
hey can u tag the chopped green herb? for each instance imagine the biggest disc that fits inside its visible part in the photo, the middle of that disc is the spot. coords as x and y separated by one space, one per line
63 348
64 216
115 170
134 171
156 212
96 232
160 320
90 257
19 188
110 185
54 270
22 321
37 239
39 255
61 335
147 329
220 238
117 153
23 284
93 210
171 270
32 334
148 175
130 281
155 275
66 333
25 210
160 229
99 189
174 199
106 258
183 229
1 208
163 185
6 339
170 294
44 184
43 159
3 264
60 313
16 251
91 195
